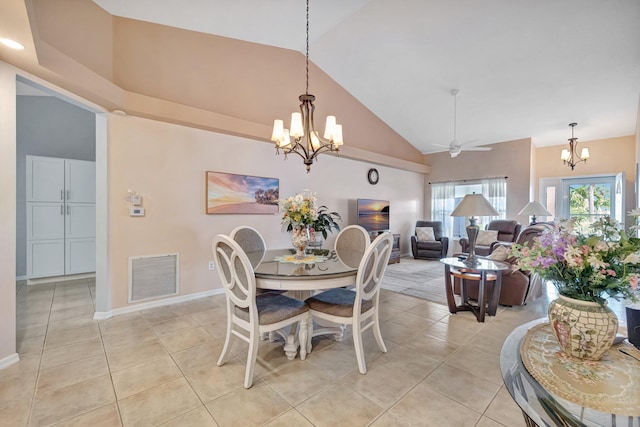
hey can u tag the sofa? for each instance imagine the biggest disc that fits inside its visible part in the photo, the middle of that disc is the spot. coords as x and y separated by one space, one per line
518 286
434 247
508 230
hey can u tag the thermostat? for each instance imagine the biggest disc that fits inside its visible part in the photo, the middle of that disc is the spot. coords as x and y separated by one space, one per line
136 211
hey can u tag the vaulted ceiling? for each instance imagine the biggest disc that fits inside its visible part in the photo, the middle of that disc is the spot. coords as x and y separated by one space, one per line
525 69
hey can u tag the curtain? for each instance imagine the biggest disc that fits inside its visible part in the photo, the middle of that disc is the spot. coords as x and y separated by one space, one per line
495 190
442 204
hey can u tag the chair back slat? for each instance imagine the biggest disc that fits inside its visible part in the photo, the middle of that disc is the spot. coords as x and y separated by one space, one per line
251 242
235 271
373 266
351 244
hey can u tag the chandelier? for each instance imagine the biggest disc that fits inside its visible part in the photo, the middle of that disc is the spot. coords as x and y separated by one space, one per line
570 157
302 138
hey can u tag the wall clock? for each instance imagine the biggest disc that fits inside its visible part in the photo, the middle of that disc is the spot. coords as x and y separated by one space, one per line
373 176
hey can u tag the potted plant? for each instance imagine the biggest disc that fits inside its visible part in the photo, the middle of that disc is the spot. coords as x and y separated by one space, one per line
586 269
326 222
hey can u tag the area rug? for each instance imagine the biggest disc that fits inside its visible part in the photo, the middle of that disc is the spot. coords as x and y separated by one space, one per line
417 277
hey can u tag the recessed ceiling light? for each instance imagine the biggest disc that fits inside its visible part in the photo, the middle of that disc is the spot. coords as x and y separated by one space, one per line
12 44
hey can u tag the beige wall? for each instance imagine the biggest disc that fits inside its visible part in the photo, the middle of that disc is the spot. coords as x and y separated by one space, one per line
166 164
607 156
511 159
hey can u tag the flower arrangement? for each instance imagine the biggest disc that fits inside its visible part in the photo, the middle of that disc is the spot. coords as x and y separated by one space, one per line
588 267
299 210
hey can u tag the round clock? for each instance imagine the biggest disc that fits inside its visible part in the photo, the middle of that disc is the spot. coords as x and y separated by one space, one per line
373 176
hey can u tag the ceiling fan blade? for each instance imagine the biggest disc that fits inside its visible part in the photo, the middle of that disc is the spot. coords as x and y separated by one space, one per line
476 149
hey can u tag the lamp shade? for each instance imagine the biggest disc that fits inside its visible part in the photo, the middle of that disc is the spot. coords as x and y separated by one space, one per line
474 205
534 208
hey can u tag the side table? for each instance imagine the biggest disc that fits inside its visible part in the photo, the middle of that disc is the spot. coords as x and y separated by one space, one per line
482 271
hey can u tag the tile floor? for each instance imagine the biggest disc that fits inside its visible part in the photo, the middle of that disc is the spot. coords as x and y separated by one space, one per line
157 367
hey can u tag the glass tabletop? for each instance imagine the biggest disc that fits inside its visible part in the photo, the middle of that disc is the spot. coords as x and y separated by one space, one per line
482 264
541 406
330 266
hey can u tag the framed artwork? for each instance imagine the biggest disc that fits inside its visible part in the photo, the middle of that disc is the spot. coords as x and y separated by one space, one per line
228 193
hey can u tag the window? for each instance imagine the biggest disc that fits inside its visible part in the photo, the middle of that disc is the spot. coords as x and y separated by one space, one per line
445 197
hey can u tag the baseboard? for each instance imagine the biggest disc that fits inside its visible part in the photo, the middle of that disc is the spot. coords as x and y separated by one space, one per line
103 315
53 279
9 360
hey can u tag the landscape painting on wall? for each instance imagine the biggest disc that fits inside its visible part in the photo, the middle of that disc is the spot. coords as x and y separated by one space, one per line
229 193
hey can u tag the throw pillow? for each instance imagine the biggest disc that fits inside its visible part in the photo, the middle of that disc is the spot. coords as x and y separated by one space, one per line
487 237
500 253
425 234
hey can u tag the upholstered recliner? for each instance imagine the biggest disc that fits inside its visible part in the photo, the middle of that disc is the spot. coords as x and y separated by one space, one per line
518 286
508 230
430 249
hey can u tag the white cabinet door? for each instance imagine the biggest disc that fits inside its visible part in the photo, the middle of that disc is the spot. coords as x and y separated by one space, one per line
45 179
80 256
45 258
45 220
80 220
80 181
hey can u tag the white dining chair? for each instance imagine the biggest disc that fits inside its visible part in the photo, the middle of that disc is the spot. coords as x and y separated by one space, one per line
358 307
251 242
250 315
351 244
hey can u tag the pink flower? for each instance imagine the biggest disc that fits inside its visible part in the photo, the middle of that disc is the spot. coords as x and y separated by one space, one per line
633 281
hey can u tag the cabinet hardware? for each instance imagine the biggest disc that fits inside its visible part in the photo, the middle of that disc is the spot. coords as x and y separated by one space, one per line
68 210
61 194
61 209
68 195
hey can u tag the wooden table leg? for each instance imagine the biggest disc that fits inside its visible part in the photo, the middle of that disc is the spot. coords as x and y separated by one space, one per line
495 296
481 291
451 301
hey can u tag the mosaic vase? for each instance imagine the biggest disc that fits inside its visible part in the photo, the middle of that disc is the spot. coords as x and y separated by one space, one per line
584 329
300 240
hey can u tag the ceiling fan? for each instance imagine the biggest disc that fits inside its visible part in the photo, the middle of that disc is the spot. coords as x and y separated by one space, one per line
456 147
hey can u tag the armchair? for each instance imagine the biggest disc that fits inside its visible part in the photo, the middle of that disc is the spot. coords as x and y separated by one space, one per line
508 231
426 249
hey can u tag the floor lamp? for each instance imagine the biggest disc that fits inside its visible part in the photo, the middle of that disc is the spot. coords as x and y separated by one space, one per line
473 205
532 209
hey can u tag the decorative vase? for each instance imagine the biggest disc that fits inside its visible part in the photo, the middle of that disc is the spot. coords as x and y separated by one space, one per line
300 240
315 239
584 329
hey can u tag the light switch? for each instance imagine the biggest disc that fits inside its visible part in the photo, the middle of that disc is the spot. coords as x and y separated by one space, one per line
136 211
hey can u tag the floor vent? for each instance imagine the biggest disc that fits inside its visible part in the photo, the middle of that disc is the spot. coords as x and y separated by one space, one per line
153 276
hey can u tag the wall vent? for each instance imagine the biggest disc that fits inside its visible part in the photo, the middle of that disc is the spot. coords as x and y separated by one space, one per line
153 276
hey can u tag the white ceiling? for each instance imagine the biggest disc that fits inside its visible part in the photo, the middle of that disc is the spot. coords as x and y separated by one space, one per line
524 68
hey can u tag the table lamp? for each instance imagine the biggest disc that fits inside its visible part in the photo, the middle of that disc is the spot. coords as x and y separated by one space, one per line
473 205
532 209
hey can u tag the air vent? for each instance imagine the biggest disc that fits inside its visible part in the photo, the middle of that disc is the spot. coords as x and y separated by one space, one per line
153 276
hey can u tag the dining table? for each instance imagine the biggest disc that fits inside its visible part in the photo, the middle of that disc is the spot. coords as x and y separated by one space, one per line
319 270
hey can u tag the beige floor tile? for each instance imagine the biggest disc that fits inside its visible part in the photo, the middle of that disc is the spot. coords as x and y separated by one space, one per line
425 407
504 410
71 401
161 313
84 311
106 416
288 419
407 361
433 348
395 332
328 408
245 407
71 373
212 315
64 303
430 311
32 331
144 376
488 422
450 332
28 365
72 323
298 380
400 301
19 386
199 417
62 337
483 365
166 327
125 356
381 385
72 352
389 420
336 360
155 405
211 381
201 355
122 323
128 337
15 413
485 342
30 345
184 339
411 321
465 388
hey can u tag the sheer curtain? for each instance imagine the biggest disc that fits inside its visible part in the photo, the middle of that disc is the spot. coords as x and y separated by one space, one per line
495 190
442 204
